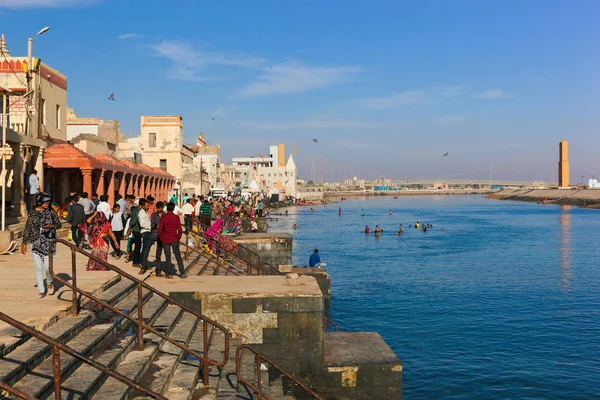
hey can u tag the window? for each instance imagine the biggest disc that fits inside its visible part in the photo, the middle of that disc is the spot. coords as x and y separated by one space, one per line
43 111
152 140
163 164
57 116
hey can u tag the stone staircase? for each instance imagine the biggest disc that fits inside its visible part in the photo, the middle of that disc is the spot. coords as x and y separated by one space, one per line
107 338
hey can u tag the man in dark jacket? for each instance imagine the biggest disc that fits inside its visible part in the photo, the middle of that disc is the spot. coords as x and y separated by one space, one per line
155 222
76 216
134 227
169 233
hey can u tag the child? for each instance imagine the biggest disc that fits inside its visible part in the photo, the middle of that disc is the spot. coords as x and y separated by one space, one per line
117 223
129 241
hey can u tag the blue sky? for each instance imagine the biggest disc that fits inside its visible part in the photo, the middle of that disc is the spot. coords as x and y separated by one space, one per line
386 87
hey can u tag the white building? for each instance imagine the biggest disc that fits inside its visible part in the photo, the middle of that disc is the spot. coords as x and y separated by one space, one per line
593 183
269 173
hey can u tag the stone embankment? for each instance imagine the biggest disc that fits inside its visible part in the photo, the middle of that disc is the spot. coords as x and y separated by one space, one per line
588 198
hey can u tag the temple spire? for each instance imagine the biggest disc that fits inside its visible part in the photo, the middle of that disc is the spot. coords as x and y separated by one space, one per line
3 49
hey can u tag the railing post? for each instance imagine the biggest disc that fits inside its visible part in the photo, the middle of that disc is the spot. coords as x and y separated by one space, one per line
75 298
56 371
258 383
140 331
205 352
187 244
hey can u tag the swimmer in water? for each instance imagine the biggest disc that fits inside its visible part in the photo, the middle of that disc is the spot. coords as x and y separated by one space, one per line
442 229
367 230
312 209
410 226
377 230
294 226
286 212
390 212
400 229
362 212
340 211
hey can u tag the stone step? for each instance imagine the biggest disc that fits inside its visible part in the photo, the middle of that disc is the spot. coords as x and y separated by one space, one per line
84 382
228 382
29 355
39 381
185 381
162 368
135 364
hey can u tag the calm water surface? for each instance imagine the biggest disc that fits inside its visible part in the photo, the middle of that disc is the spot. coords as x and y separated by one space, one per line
505 304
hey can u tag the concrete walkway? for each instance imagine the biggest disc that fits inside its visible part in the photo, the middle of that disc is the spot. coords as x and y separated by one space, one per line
18 292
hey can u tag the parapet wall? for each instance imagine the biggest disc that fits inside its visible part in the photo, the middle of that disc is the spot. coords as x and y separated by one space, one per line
273 248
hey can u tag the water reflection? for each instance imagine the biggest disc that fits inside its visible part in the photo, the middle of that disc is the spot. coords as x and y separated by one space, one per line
566 273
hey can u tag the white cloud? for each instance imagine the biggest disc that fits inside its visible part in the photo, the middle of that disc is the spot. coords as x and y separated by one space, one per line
189 62
44 3
128 35
392 101
297 78
492 94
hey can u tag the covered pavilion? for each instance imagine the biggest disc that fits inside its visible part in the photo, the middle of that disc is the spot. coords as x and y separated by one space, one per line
69 170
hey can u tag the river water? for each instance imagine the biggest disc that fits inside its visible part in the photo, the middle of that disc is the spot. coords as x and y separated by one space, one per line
504 304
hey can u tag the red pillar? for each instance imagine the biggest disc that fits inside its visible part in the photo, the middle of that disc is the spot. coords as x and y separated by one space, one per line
133 185
143 187
100 189
111 189
150 187
87 180
123 186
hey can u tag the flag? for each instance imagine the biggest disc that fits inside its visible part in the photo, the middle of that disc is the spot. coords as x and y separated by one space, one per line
201 141
261 157
295 149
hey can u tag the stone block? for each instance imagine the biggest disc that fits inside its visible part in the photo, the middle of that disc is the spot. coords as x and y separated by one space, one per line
293 350
244 305
342 393
271 350
315 319
394 393
277 304
364 377
271 335
315 350
371 393
328 379
191 300
286 334
307 304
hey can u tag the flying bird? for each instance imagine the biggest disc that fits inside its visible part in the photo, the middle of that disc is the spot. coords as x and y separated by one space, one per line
112 97
315 140
446 154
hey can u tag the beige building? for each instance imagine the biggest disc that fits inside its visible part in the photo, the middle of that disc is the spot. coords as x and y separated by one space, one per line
161 142
34 118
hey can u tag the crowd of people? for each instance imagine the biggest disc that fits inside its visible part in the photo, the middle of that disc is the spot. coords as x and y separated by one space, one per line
143 222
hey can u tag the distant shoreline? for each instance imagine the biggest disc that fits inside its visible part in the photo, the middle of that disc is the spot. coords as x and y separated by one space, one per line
586 198
447 192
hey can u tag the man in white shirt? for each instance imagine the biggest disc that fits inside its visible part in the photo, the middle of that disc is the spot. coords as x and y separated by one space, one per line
121 202
188 210
34 189
104 207
145 228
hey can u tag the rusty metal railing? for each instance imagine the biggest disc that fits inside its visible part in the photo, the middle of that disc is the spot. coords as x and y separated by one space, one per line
329 321
258 266
256 386
57 347
219 261
139 321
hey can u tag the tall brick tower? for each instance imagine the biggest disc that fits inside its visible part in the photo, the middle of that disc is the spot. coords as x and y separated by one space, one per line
563 164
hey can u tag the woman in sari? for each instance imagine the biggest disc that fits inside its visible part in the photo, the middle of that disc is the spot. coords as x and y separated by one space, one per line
99 230
213 233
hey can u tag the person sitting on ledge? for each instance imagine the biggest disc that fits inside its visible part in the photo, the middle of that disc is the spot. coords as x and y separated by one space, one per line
314 259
